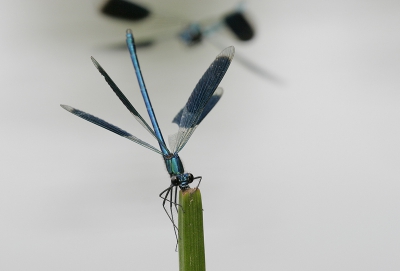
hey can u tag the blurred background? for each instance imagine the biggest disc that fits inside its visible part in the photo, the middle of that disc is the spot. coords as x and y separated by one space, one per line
298 175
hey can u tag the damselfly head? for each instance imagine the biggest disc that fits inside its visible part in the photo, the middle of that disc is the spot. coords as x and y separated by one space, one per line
192 34
182 180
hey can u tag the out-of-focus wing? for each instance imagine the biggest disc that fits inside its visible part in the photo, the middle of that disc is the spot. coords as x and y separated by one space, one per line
127 10
239 25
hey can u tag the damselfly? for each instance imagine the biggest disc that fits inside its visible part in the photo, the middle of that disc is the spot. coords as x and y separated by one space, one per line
235 22
202 100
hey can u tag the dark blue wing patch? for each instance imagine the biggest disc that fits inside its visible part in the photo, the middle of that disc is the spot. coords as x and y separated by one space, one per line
209 106
95 120
240 26
127 10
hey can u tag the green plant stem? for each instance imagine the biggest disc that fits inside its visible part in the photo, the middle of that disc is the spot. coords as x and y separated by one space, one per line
191 234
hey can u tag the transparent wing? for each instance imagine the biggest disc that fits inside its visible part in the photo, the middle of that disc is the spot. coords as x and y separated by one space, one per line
125 101
200 96
248 64
104 124
253 67
209 106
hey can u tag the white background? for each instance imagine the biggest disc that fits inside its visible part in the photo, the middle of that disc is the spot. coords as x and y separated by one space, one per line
302 175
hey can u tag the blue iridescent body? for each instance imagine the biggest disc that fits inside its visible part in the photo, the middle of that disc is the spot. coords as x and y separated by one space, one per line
202 100
177 173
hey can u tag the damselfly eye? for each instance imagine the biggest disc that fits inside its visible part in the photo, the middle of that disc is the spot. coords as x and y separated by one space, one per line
174 180
190 178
